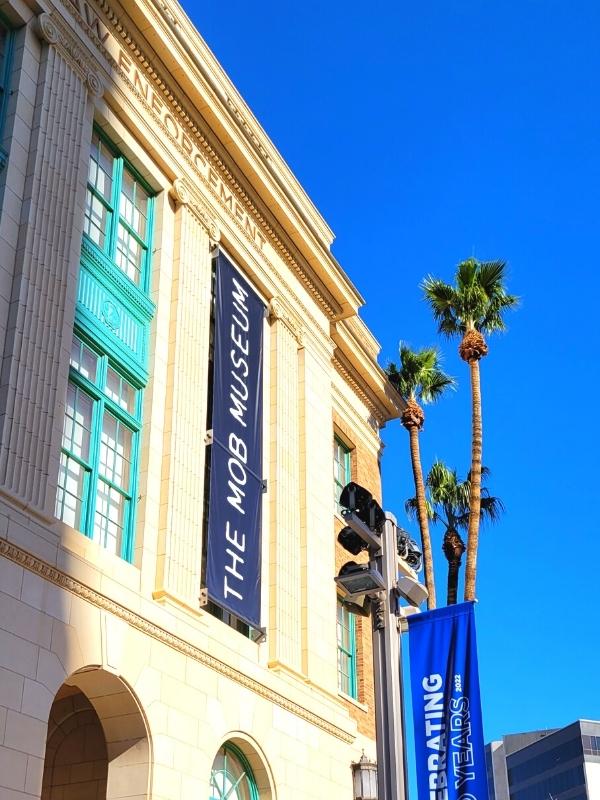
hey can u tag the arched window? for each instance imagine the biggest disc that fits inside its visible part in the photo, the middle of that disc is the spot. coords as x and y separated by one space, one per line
231 776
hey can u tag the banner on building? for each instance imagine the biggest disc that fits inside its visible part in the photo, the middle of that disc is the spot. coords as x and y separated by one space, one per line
449 745
234 517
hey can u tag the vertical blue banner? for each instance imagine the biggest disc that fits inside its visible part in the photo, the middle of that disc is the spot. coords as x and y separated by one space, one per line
234 517
444 676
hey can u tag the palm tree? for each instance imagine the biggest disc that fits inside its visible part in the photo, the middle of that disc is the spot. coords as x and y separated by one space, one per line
472 307
448 503
419 378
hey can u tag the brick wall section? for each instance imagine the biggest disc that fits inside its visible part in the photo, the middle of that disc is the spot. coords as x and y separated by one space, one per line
364 471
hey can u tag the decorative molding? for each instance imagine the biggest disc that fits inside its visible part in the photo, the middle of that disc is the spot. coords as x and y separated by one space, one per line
246 128
50 29
278 311
145 626
365 428
211 151
378 418
184 195
111 275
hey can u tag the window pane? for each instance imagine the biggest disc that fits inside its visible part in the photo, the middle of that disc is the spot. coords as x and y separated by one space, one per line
341 471
78 422
119 390
346 651
129 254
69 497
229 778
101 168
97 220
115 451
110 517
133 206
84 360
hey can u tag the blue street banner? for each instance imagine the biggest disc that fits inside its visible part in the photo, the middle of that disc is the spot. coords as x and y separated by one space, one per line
444 676
234 517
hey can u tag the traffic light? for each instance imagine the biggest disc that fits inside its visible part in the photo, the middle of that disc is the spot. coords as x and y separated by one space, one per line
408 550
365 519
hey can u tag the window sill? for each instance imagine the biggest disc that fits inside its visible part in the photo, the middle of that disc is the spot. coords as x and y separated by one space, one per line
354 702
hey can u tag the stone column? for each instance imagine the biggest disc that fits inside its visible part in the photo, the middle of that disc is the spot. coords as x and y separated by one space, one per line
285 617
317 529
35 358
180 536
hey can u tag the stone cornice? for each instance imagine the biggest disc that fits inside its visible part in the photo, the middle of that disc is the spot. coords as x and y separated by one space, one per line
368 431
355 356
324 281
216 156
327 282
188 38
149 628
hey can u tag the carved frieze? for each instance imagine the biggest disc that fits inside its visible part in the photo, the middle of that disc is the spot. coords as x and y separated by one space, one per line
149 628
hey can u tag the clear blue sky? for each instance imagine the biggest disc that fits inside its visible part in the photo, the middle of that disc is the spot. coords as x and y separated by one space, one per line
426 133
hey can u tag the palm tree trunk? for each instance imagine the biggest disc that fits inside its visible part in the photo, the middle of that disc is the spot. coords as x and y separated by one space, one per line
453 547
475 496
453 570
415 457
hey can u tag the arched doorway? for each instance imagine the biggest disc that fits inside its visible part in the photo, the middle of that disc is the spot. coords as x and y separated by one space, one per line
97 746
76 754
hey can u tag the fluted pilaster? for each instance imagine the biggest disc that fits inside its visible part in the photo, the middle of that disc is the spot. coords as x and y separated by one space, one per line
180 542
316 518
285 616
34 370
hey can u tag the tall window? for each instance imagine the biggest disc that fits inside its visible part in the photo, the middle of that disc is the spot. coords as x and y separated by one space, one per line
117 212
346 648
341 470
231 776
98 475
6 46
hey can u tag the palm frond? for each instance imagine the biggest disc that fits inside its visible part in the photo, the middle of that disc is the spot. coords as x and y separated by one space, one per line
435 385
412 509
492 509
478 298
442 300
419 375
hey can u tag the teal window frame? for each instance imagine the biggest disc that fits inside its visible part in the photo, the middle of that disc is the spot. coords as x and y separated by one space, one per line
112 206
95 390
341 470
229 792
5 68
78 497
346 650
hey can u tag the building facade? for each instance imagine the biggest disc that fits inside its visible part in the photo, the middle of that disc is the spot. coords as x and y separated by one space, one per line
562 764
130 169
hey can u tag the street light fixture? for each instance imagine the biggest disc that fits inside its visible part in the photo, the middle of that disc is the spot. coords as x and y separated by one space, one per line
364 778
360 579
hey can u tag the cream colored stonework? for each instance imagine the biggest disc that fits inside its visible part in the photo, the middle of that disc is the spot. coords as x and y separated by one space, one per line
129 647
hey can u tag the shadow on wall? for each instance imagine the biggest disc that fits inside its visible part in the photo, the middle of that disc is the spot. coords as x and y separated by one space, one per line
97 744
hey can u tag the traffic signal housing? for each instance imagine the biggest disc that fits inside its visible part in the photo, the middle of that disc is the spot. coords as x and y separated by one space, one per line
365 520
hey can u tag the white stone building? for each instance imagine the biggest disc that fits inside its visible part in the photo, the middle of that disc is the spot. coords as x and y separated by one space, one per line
127 160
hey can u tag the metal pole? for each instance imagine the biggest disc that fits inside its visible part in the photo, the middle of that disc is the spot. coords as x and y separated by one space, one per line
387 666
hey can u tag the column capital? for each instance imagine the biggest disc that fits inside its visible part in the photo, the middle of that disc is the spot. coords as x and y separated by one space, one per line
51 30
278 311
183 194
